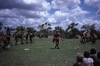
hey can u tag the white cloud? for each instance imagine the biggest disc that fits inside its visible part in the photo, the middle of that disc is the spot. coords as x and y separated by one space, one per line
7 13
90 21
24 12
64 12
65 4
44 14
51 20
79 11
62 18
94 3
15 13
44 5
98 13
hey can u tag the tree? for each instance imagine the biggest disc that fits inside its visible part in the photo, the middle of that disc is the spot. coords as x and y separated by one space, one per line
86 27
1 28
20 28
72 25
72 30
49 29
45 27
90 28
30 29
60 29
41 27
1 25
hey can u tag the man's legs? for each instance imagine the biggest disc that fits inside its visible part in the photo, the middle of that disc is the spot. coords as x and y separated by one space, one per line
57 44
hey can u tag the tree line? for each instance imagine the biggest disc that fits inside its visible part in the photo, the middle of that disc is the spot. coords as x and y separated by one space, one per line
70 32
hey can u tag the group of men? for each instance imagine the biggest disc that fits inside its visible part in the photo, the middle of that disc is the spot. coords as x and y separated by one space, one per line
88 37
28 37
19 36
85 38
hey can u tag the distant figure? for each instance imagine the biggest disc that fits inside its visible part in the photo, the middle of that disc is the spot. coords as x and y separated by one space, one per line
21 36
84 37
16 37
94 37
56 39
5 41
39 35
88 37
27 36
31 37
8 35
89 61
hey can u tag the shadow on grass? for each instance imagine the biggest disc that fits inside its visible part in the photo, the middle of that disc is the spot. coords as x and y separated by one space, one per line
52 48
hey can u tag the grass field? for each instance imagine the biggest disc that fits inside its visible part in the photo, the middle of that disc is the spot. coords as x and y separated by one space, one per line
40 53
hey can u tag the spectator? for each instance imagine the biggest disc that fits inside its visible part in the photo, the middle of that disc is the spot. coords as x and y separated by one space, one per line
93 55
98 61
89 61
94 37
80 62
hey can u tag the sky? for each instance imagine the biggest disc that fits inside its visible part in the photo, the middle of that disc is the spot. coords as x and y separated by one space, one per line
31 13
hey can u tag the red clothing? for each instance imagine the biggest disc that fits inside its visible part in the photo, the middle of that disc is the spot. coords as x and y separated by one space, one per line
56 37
84 35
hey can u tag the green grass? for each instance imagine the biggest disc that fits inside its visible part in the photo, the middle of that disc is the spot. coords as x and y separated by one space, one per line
41 54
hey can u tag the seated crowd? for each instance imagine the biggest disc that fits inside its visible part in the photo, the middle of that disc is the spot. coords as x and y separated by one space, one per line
91 58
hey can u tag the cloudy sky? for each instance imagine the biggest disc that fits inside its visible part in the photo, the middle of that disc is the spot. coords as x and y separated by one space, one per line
57 12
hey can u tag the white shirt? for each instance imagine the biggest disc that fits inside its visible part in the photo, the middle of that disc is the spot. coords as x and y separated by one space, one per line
88 61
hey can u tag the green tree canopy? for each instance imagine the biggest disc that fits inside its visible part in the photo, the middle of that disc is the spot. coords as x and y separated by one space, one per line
60 29
30 29
20 28
90 28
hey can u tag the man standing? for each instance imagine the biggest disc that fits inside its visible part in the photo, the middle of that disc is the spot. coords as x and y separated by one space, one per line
56 39
8 35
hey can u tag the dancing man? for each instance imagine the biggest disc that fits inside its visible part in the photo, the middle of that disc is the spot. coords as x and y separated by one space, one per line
56 39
